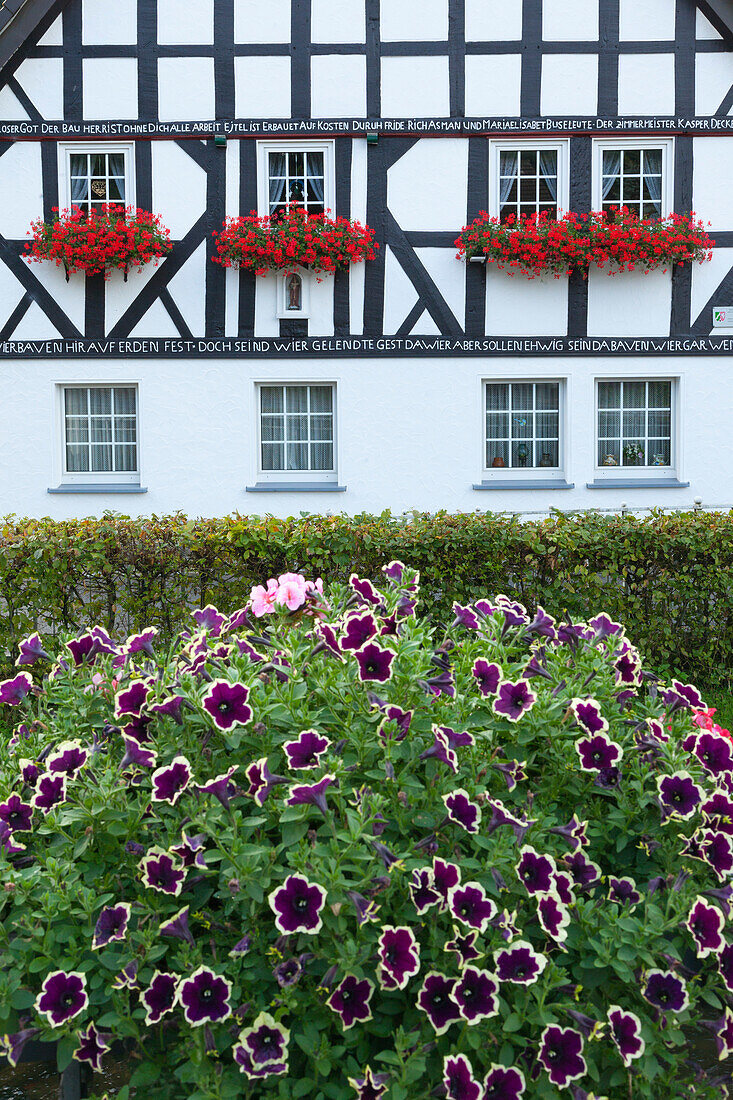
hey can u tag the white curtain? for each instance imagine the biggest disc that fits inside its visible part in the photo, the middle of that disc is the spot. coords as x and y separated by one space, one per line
611 169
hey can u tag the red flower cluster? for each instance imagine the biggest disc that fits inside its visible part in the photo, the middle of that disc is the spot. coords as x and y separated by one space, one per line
538 245
97 241
293 239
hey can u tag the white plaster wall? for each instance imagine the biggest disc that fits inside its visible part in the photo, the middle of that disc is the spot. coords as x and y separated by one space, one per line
180 21
629 304
338 21
416 86
179 187
423 450
100 28
440 200
713 78
414 20
534 307
493 85
185 88
646 20
110 87
646 84
338 86
258 22
42 79
21 188
570 20
569 84
712 195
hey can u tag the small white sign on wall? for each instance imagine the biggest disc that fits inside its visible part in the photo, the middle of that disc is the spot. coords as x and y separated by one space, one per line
722 316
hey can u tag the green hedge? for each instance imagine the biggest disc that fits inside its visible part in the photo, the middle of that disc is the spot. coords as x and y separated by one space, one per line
669 578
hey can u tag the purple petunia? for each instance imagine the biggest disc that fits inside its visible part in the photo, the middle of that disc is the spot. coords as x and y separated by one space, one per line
171 707
679 794
131 700
262 1049
170 781
422 890
464 616
462 811
723 1029
488 676
63 996
445 877
297 906
623 891
399 956
665 990
209 619
584 871
519 963
141 643
311 794
350 1000
535 870
553 916
261 780
50 791
470 905
464 947
176 927
160 996
587 714
288 973
307 749
514 700
227 704
626 1033
436 1001
441 750
372 1086
358 630
12 1046
16 814
13 692
162 871
561 1053
598 752
204 997
221 786
706 923
717 851
111 925
365 589
127 977
477 995
714 752
375 663
503 1083
458 1079
137 755
92 1048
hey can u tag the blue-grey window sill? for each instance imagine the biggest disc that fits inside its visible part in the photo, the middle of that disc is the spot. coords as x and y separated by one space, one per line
639 483
80 488
528 483
295 487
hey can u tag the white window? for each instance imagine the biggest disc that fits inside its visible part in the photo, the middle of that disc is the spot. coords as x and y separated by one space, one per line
297 432
635 424
99 437
96 175
523 427
294 173
528 178
636 173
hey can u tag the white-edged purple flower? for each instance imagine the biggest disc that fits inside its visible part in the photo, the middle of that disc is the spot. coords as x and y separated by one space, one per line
464 616
464 947
435 1000
16 814
171 707
92 1047
358 630
311 794
13 692
564 886
111 925
514 699
209 619
375 663
394 571
306 750
441 750
350 1000
665 990
141 643
365 589
554 917
574 832
714 752
170 781
372 1086
12 1046
176 926
462 811
706 923
584 871
458 1080
399 956
63 996
204 997
191 850
127 977
477 995
131 700
679 794
717 851
262 1049
162 871
445 877
241 947
598 752
31 650
85 648
470 905
535 870
488 676
50 791
519 963
422 890
626 1033
227 705
587 713
137 755
503 1083
29 771
160 996
297 906
723 1029
623 891
222 787
261 780
366 908
288 972
561 1053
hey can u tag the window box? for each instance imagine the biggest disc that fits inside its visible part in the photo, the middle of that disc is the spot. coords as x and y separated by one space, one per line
98 239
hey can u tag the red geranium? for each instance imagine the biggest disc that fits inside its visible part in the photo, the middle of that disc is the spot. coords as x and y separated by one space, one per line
97 241
537 244
293 239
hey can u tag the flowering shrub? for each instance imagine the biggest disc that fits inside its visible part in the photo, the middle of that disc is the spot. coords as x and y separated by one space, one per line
97 241
313 850
292 239
538 245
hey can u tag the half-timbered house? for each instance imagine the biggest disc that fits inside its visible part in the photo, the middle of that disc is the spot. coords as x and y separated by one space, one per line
414 380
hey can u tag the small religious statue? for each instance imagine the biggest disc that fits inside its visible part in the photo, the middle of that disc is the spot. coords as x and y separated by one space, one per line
295 292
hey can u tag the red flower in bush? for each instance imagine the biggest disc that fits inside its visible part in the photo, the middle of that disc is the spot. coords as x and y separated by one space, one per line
97 241
538 245
293 239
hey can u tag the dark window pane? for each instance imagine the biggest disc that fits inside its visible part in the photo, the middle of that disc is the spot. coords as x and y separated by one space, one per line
528 163
547 395
609 395
529 191
273 456
632 161
296 164
497 454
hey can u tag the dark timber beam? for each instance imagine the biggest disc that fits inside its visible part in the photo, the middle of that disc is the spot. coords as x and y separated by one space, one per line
19 19
720 14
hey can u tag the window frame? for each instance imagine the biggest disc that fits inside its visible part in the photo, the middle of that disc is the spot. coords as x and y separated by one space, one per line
67 148
306 477
510 145
606 144
612 473
506 474
295 145
90 477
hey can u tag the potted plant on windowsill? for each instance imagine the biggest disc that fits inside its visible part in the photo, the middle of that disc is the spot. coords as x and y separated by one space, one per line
293 239
616 239
99 241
